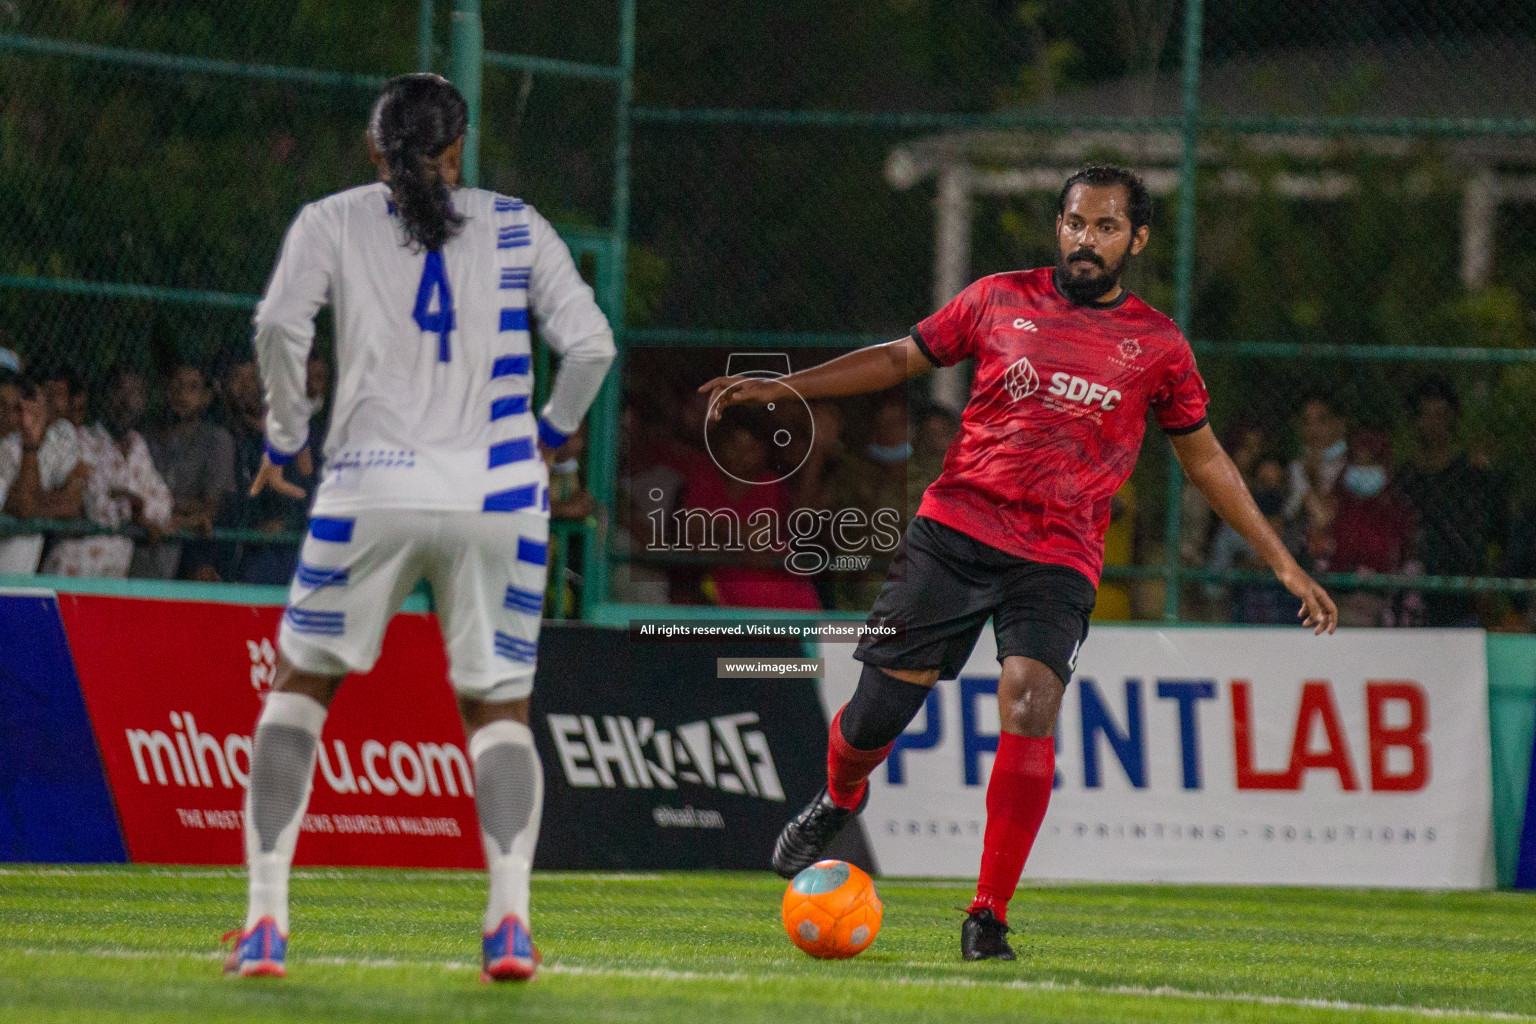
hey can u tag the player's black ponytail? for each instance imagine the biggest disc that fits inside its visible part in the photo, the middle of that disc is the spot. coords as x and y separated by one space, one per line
413 121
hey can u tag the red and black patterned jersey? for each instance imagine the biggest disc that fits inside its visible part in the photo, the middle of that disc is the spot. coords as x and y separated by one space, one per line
1056 414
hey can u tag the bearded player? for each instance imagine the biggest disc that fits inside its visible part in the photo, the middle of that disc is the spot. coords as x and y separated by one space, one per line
1067 364
435 469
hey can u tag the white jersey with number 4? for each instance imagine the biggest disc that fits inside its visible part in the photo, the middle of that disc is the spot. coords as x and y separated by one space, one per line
434 375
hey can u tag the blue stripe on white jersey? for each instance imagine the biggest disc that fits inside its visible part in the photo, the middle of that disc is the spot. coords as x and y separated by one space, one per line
511 405
519 449
314 577
520 600
514 236
513 649
511 366
513 500
303 620
337 531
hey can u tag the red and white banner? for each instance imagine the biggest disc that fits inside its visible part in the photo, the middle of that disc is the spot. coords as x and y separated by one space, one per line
1215 755
174 688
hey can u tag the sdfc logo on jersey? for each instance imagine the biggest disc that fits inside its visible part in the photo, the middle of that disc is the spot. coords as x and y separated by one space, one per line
1021 380
1077 390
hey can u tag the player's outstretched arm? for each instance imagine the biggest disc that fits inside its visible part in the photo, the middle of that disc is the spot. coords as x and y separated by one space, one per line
1211 470
874 368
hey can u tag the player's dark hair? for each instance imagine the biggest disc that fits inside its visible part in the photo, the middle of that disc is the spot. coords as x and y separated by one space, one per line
74 380
116 374
415 118
1436 389
1140 210
197 366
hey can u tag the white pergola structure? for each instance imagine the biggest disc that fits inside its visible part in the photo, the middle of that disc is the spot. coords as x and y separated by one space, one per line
1489 170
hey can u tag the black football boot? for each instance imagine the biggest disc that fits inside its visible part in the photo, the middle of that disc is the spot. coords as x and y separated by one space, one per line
984 937
812 831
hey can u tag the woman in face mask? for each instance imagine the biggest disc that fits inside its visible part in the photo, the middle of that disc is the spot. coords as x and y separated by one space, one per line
1367 528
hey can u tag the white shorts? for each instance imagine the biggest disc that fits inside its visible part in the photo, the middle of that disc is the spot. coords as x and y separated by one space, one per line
487 573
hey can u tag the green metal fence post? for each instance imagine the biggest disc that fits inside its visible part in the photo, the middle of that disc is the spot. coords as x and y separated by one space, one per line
603 466
1183 283
466 66
424 37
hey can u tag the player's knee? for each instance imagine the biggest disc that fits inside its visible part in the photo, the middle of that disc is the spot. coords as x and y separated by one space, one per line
1028 698
477 713
882 706
292 679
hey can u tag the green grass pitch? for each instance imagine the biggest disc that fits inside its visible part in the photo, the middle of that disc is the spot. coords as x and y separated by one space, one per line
141 944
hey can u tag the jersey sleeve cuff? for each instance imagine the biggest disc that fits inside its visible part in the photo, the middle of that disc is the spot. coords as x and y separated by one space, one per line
278 458
1179 431
922 346
549 437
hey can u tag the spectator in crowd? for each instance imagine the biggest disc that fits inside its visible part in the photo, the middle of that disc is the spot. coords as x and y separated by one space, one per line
935 429
825 458
873 479
648 494
268 512
59 488
10 362
23 427
1460 503
1366 526
681 448
1264 601
1244 442
1313 474
1114 603
64 387
317 388
124 488
812 482
752 579
196 459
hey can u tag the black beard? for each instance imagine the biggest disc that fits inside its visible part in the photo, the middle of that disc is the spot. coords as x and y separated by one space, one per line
1084 291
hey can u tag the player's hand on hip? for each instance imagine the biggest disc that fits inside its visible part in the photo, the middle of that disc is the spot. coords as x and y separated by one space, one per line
271 475
1317 609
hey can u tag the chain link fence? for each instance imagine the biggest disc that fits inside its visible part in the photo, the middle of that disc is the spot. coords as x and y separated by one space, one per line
1345 226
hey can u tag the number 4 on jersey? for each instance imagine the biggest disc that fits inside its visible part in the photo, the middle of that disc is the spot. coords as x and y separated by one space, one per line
435 279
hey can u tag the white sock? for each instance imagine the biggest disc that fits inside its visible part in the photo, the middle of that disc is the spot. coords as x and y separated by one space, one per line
509 793
282 775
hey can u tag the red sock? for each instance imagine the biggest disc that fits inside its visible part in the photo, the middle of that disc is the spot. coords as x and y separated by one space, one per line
848 768
1017 796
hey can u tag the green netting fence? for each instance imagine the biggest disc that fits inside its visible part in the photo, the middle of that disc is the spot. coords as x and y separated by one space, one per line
1345 225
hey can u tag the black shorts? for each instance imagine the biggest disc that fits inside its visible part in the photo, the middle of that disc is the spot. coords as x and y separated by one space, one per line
944 585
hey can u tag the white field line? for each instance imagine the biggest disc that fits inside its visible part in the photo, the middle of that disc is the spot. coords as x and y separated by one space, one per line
668 974
324 874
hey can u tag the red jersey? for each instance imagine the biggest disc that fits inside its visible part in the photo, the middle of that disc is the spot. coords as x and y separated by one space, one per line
1057 412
